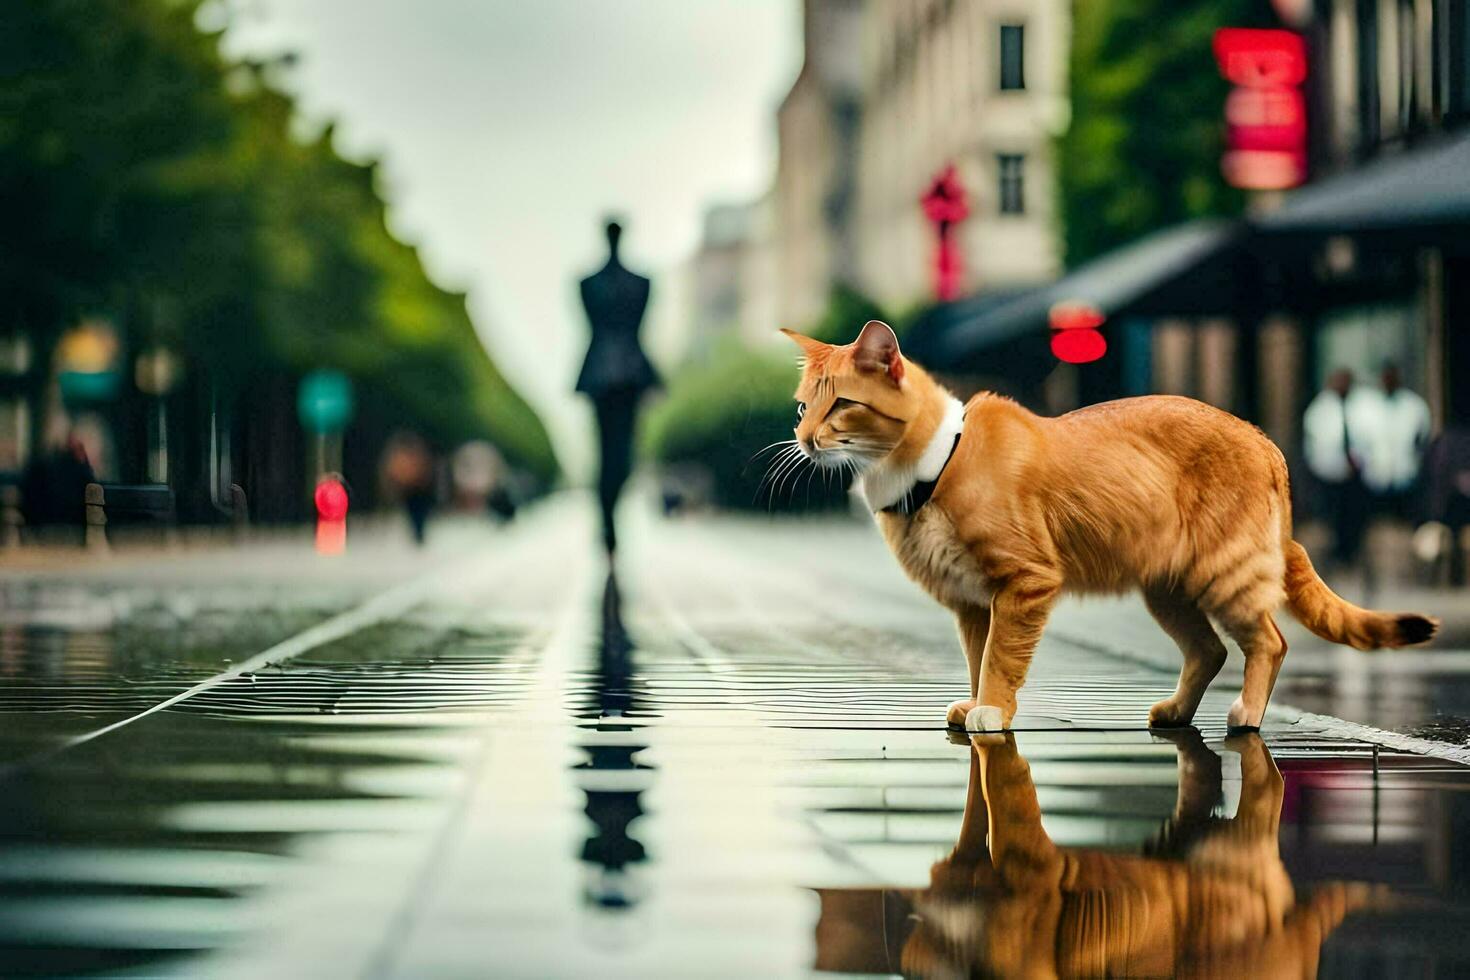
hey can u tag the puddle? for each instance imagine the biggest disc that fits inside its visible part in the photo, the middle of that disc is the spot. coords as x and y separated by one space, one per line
426 797
1218 859
184 834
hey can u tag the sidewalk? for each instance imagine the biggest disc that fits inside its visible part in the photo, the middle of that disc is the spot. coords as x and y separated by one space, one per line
379 549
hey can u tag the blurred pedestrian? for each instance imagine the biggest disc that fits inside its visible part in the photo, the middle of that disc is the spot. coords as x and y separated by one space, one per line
54 486
482 480
1447 465
1392 429
616 372
408 470
1329 444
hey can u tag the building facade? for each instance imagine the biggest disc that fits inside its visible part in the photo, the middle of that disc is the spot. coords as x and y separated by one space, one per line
817 137
975 84
889 95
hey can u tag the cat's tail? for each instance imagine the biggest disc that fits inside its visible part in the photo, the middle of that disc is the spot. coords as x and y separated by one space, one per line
1333 618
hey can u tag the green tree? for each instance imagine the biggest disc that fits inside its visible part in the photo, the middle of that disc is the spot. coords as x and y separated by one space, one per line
1143 149
724 414
97 99
146 178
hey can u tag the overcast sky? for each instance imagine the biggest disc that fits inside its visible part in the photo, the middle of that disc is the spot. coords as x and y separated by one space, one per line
508 128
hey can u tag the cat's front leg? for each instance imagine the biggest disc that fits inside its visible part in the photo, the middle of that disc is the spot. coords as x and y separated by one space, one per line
974 624
1018 613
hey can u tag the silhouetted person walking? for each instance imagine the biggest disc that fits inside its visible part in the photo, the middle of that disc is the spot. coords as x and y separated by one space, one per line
616 372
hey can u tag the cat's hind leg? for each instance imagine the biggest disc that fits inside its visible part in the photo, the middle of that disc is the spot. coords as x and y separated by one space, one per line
1203 652
974 624
1264 648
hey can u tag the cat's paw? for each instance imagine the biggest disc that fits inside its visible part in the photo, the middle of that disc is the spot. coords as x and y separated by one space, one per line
985 718
958 711
1168 714
1242 718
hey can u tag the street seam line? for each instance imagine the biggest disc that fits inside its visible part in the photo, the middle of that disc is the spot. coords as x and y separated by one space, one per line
394 601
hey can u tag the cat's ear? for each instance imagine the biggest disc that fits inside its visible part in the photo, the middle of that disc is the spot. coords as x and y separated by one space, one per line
808 345
876 349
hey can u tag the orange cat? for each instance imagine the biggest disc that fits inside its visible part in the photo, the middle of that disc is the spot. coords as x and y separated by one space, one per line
996 511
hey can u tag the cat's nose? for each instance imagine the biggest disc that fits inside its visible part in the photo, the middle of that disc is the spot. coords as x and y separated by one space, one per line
808 446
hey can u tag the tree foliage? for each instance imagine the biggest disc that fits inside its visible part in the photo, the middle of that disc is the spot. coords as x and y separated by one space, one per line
1143 149
723 415
145 177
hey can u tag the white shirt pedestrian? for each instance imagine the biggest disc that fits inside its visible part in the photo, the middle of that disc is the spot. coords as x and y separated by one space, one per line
1325 436
1389 431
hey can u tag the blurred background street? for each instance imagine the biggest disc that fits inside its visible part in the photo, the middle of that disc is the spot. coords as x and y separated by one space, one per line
327 325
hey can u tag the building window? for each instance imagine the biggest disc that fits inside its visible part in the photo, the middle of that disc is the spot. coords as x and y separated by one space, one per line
1012 57
1012 195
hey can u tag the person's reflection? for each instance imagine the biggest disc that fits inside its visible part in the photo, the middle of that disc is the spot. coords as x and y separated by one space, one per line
611 778
1209 897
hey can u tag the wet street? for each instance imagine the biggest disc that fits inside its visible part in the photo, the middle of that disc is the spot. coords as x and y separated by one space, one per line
491 759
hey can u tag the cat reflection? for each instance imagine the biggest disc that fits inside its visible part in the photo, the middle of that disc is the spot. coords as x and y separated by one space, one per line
1208 897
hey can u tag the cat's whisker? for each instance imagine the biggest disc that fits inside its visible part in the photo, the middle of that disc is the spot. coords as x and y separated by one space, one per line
777 464
786 443
792 471
789 460
786 462
764 477
766 449
778 459
786 475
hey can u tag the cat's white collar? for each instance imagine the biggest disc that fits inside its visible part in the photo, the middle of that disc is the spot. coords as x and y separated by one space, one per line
885 484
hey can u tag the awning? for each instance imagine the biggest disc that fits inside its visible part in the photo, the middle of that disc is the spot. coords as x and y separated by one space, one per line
1427 187
929 340
1187 270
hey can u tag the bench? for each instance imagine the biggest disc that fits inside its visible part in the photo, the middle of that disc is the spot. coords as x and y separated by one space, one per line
126 505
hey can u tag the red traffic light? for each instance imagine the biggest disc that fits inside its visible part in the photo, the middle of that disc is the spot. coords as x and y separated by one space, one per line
1078 346
331 499
1075 338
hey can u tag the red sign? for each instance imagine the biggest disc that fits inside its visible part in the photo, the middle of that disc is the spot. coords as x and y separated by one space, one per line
1265 115
946 204
1254 58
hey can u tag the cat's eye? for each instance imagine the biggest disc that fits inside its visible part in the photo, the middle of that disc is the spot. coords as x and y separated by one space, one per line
800 409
